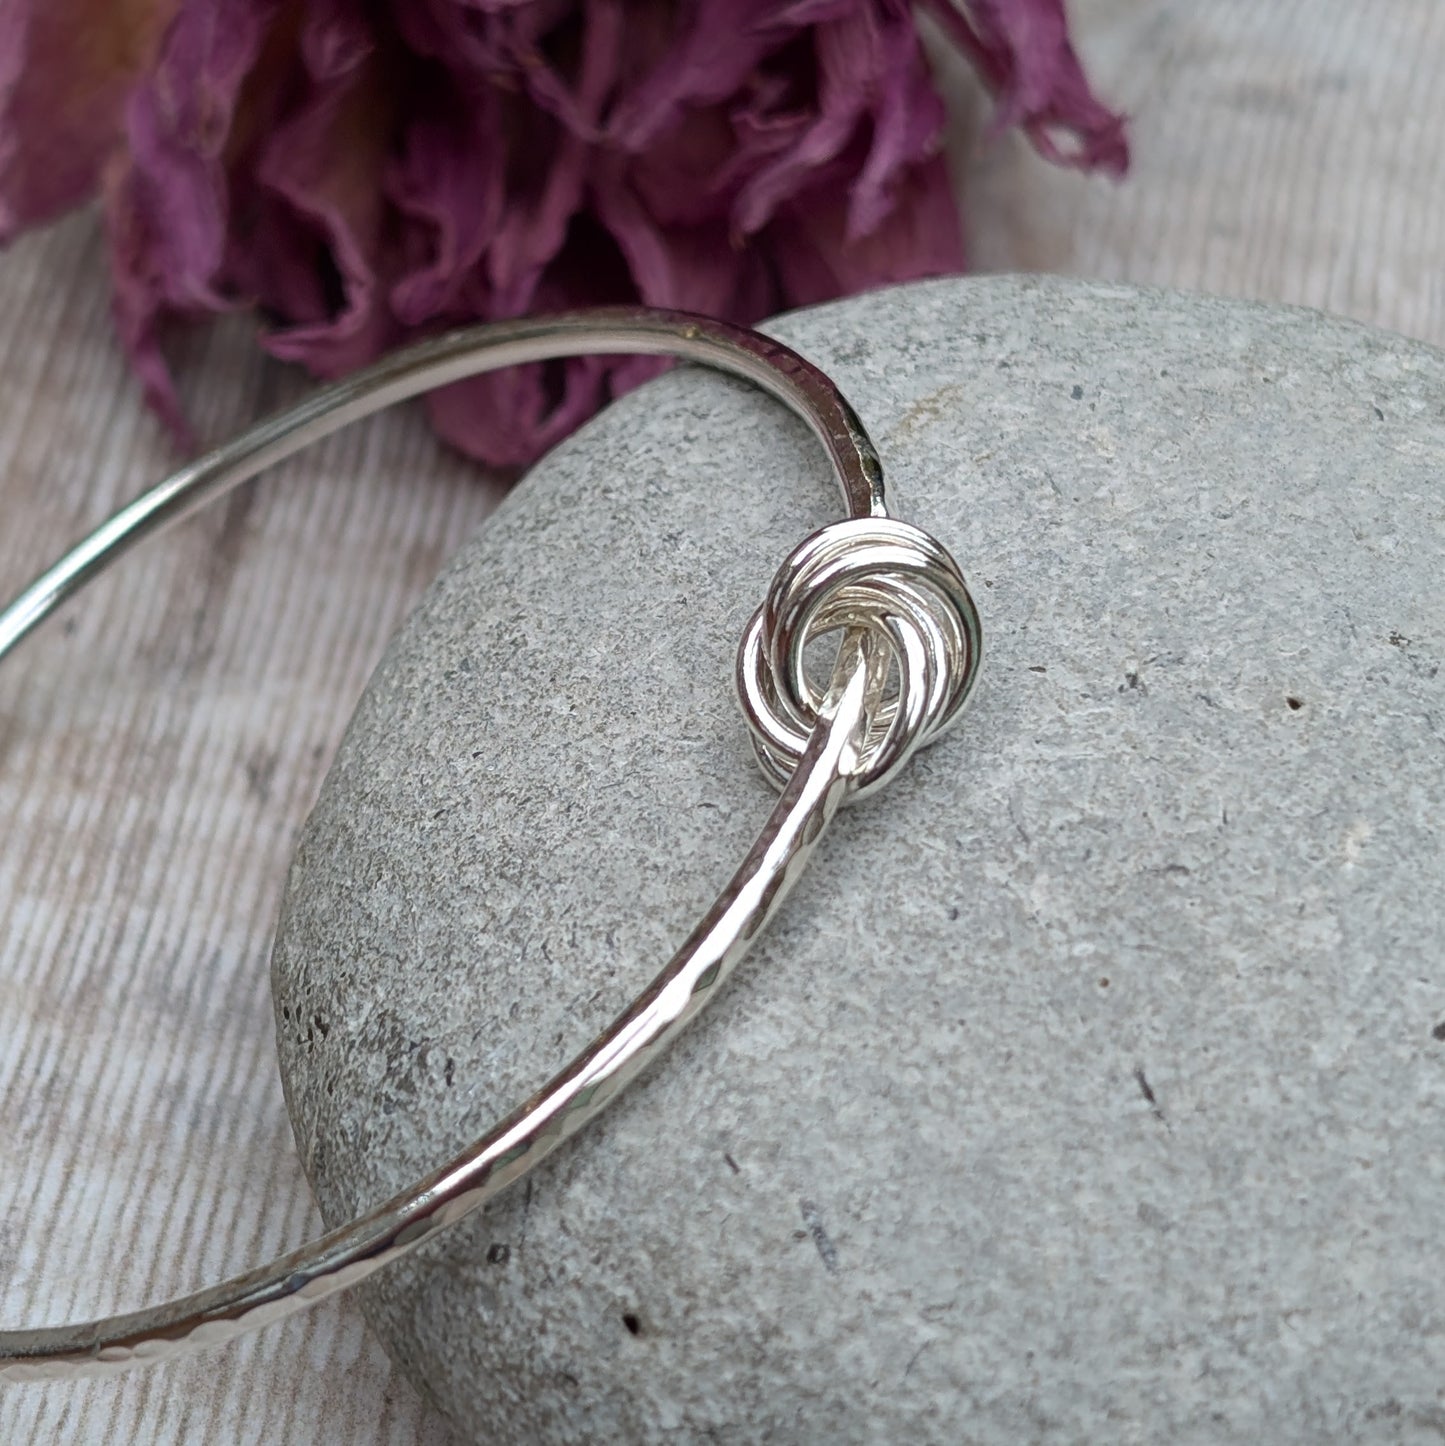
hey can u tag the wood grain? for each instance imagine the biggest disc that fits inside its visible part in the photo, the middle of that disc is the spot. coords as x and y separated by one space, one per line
1286 151
160 744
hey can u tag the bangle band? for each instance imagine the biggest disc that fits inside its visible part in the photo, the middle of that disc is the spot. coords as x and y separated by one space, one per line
906 664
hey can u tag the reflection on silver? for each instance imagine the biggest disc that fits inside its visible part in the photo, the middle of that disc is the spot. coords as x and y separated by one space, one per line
907 658
898 585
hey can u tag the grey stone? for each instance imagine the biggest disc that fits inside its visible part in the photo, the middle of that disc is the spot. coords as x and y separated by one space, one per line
1091 1085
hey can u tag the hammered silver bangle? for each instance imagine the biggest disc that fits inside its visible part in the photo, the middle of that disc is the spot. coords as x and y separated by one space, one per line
908 656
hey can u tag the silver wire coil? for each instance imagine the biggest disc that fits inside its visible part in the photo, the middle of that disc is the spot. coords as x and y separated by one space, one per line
900 585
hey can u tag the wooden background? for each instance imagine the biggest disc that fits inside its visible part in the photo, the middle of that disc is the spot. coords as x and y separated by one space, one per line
161 743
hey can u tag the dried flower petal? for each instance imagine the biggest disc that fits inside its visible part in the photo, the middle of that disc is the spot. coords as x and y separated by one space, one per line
1022 50
326 162
169 209
820 258
358 173
66 67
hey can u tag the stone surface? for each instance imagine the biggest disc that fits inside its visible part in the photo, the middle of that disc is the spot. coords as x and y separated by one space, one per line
1090 1086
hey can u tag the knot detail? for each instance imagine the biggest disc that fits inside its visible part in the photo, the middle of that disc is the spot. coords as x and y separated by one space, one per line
902 589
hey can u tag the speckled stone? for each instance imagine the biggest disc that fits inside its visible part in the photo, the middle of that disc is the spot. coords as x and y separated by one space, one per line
1092 1085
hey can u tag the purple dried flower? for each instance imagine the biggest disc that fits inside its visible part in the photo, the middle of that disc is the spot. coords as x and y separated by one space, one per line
359 174
66 67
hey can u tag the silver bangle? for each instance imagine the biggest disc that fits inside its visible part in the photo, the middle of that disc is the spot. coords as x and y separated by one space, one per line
907 661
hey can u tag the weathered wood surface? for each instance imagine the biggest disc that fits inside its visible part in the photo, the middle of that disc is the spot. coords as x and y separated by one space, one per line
159 745
1286 151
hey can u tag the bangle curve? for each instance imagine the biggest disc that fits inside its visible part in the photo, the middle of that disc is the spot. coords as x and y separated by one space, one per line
907 661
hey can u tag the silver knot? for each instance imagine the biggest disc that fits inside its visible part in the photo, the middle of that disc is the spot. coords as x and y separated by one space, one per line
899 586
